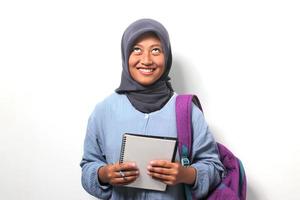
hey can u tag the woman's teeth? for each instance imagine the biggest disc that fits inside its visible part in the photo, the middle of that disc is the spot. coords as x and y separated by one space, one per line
146 70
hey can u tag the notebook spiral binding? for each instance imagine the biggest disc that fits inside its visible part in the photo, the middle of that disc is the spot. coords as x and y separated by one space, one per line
122 149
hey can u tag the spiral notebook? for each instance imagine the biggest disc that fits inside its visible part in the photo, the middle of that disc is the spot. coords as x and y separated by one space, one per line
142 149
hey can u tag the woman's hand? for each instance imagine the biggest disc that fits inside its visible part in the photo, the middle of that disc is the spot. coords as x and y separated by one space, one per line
171 173
118 173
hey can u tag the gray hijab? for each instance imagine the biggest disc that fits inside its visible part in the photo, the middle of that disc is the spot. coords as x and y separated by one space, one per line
153 97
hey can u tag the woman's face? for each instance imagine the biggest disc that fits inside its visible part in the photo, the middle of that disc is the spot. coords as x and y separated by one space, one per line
146 60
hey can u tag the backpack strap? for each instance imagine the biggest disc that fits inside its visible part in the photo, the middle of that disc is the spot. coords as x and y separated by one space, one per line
184 131
183 123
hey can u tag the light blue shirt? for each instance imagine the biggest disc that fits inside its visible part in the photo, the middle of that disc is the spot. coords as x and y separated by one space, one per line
115 116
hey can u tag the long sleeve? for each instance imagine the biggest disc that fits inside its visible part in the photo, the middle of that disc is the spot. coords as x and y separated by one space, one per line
205 157
93 159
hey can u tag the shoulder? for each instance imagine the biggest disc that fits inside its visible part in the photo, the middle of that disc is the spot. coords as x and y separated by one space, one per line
196 111
112 101
197 114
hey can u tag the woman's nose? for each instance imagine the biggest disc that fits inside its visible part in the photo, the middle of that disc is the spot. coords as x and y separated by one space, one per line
146 59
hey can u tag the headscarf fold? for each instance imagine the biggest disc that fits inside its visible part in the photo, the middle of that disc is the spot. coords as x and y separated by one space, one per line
150 98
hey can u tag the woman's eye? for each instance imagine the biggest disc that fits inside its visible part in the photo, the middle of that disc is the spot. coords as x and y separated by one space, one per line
156 51
137 50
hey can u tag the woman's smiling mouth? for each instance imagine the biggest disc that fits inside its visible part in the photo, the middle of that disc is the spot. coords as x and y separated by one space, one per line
146 71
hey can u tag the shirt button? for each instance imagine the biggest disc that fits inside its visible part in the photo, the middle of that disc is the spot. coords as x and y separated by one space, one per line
146 116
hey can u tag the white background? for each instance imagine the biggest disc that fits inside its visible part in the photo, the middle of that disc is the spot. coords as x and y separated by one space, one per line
59 58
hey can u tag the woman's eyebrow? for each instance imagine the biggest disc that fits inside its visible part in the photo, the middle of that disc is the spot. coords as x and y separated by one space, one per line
156 45
153 45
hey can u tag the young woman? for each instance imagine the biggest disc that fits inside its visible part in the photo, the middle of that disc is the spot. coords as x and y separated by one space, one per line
144 103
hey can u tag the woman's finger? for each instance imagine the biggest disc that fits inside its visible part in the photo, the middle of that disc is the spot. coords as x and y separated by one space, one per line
160 170
126 166
162 177
125 178
161 163
126 174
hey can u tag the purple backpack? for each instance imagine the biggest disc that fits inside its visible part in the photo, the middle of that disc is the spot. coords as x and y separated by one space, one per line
233 185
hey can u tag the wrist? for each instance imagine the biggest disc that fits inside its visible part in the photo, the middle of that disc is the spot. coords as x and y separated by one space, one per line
102 175
189 175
